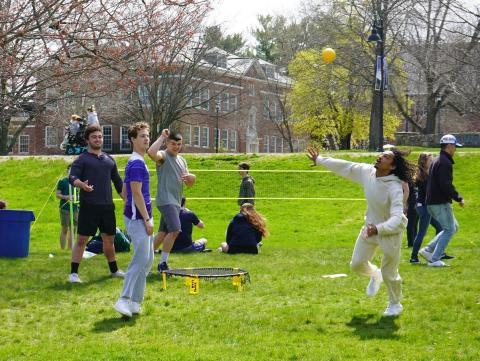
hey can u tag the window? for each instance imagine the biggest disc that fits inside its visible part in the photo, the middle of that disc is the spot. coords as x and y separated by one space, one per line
50 137
143 94
124 142
107 137
23 143
196 136
233 140
233 103
266 107
205 98
187 135
251 90
204 141
189 96
266 144
225 102
280 146
224 138
196 98
274 144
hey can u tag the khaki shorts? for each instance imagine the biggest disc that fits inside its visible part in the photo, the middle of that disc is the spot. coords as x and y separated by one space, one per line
65 217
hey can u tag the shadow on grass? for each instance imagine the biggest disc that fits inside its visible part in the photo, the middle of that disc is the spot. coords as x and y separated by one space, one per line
113 324
367 327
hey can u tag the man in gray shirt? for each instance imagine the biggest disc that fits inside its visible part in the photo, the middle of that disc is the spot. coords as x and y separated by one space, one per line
172 173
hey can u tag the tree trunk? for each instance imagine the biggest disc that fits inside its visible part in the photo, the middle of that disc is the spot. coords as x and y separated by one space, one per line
345 142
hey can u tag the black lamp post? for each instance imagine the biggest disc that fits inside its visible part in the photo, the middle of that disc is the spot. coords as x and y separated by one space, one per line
217 131
376 118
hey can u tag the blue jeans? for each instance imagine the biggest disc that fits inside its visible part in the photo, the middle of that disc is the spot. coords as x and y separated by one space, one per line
141 263
424 220
443 213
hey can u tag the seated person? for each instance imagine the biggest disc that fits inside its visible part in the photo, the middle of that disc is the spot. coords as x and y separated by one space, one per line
76 124
183 242
245 231
3 205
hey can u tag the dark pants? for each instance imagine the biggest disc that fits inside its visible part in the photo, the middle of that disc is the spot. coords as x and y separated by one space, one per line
425 220
411 225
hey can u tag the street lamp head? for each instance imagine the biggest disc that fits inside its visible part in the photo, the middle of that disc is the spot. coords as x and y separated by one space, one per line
374 37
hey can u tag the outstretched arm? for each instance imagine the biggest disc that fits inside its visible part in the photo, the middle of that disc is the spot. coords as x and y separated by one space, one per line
154 150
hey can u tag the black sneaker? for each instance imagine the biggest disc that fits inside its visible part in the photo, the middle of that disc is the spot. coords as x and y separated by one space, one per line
446 256
414 260
162 267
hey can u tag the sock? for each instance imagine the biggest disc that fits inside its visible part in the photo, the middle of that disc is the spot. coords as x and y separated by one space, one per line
164 257
74 267
113 266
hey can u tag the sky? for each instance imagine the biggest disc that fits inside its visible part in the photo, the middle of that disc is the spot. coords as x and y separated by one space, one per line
239 16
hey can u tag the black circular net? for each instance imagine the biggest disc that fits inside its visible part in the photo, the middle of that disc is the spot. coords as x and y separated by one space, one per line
208 272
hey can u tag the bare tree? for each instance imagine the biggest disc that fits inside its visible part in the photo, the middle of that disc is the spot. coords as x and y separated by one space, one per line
50 47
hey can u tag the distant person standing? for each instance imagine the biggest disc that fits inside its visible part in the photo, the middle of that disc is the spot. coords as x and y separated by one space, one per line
93 172
65 194
247 185
172 173
421 178
138 221
440 192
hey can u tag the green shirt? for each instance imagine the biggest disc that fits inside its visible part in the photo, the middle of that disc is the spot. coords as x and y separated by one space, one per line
62 186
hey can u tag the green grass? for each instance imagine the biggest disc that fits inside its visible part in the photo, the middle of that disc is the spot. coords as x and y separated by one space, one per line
288 312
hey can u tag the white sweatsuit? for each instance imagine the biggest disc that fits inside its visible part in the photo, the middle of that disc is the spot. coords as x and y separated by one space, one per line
385 210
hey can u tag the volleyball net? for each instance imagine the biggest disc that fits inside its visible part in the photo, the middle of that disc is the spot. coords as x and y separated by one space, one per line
276 184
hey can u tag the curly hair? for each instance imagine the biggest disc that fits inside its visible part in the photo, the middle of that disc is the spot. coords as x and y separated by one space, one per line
422 169
254 218
404 169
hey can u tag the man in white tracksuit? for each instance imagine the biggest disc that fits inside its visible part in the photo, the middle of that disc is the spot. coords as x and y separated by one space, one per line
384 221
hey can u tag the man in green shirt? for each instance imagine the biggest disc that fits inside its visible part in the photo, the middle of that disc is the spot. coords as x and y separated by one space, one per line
65 193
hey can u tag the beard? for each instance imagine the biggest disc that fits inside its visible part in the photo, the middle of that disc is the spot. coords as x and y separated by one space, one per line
95 147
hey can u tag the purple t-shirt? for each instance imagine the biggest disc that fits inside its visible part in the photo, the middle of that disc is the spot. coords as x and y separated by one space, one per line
137 171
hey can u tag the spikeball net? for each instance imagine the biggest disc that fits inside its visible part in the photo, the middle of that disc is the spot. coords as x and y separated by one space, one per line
193 275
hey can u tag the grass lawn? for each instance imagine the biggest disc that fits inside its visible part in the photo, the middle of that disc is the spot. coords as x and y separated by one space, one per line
288 312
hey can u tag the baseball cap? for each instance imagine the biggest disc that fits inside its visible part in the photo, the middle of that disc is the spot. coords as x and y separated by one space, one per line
450 139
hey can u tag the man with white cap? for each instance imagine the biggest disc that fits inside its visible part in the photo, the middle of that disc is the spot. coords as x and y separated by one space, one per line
440 192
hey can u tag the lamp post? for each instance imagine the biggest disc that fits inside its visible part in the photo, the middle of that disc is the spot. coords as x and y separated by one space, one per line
439 101
217 131
376 117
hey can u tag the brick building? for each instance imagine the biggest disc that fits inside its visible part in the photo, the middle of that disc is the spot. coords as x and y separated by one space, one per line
240 112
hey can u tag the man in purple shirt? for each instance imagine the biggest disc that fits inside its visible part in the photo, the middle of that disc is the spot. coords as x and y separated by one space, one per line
138 221
93 172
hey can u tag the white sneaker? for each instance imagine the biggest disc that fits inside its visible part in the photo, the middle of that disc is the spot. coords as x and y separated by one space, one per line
393 309
73 278
437 264
135 308
118 274
123 307
374 284
425 254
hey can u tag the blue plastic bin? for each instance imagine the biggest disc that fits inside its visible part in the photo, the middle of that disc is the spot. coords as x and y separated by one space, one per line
15 232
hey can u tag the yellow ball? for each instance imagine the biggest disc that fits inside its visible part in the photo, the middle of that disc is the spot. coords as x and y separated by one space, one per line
328 55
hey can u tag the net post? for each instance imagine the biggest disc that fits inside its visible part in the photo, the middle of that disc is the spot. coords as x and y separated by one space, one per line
164 281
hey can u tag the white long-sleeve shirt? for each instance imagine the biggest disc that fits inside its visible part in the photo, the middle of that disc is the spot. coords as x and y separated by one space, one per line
384 194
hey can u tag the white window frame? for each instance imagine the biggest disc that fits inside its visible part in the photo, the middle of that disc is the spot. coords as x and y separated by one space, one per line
266 144
196 136
50 137
205 137
251 90
187 135
124 134
197 98
232 142
22 143
274 144
106 136
223 139
225 102
189 96
233 103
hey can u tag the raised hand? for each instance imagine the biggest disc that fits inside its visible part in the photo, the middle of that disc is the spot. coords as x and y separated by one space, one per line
312 154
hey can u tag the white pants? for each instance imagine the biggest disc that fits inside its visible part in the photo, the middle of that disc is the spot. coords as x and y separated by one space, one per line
365 250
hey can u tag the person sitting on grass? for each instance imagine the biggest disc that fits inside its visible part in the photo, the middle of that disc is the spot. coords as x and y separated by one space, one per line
3 205
183 242
245 231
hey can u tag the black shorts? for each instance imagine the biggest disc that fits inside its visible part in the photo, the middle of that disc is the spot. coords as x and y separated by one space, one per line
242 249
93 216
